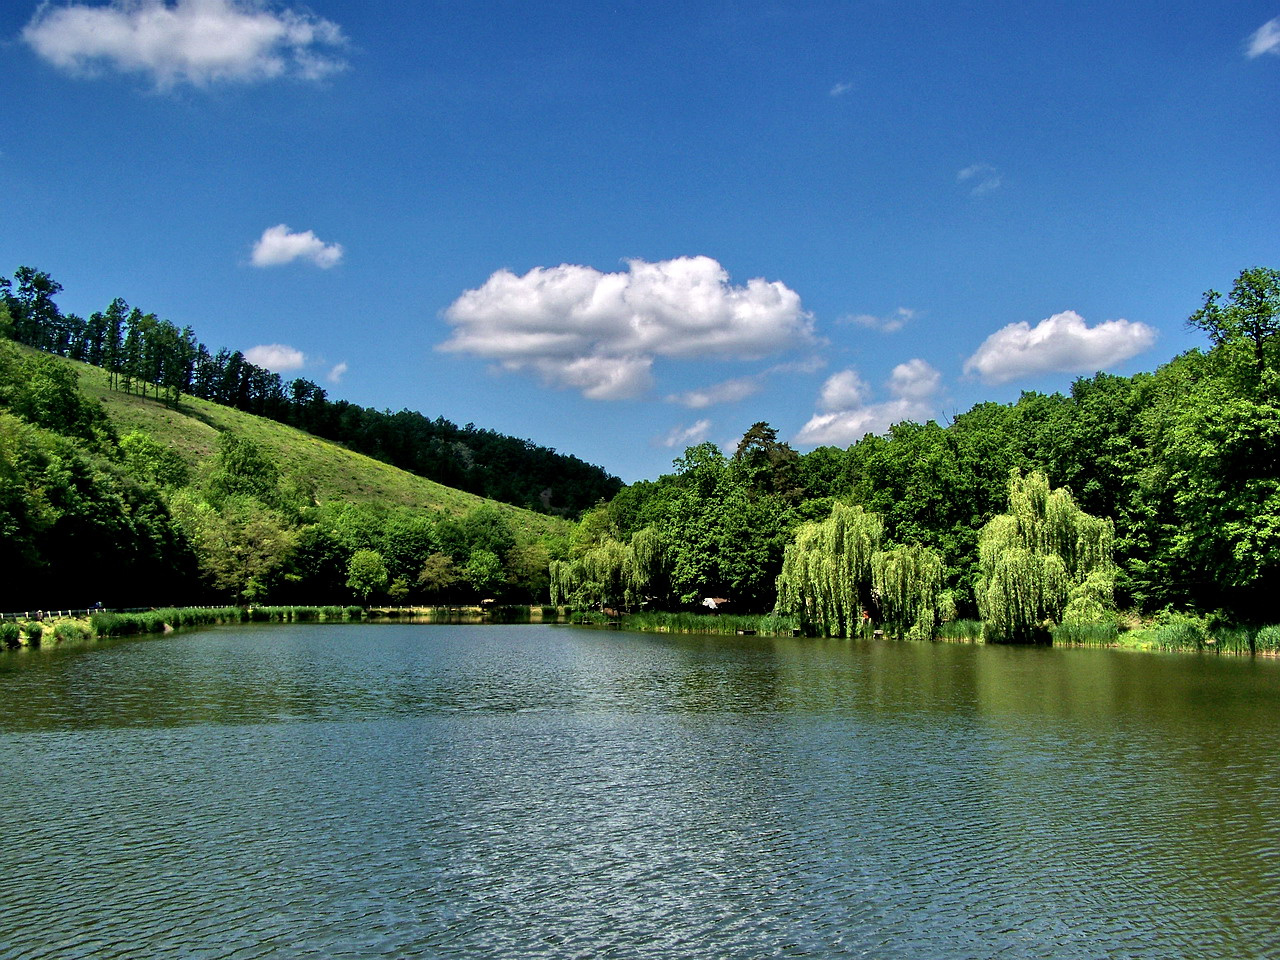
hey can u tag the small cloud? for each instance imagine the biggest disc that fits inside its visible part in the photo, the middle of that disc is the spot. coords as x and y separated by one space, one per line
730 391
276 357
843 391
191 41
337 372
278 245
846 416
1063 343
982 177
687 436
1266 39
600 333
888 324
841 88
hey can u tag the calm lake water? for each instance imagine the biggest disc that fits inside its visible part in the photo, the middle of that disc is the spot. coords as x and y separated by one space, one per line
528 791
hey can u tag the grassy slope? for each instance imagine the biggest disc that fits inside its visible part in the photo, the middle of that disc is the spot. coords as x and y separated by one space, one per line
337 473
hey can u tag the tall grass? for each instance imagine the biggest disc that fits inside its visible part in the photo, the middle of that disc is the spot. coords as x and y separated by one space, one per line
967 630
1101 634
769 625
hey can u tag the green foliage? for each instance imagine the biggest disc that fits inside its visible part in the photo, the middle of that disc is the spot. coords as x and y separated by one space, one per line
1044 562
68 631
34 630
1180 631
908 590
10 634
366 573
967 630
827 572
152 462
1247 327
483 571
1100 634
1267 640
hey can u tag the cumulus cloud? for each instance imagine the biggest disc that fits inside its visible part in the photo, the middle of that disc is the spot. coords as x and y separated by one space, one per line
845 415
276 357
1063 343
729 391
191 41
601 332
337 372
683 436
1266 39
887 324
279 245
843 391
982 178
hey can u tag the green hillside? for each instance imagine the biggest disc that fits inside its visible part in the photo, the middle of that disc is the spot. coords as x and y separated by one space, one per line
108 496
337 474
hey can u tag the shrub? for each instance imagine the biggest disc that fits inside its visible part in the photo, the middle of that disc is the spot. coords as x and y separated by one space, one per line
34 630
9 634
70 630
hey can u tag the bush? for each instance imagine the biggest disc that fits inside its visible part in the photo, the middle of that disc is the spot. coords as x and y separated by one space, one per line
9 634
69 630
34 631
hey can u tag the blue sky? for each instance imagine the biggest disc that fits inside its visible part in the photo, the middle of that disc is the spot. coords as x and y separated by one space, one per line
615 229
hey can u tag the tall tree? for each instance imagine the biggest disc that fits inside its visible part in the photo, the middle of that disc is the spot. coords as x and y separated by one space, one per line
1044 562
1250 319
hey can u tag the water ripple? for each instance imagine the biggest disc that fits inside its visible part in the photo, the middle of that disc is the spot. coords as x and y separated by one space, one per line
530 792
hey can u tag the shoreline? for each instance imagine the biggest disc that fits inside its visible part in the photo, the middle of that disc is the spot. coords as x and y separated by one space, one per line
1181 634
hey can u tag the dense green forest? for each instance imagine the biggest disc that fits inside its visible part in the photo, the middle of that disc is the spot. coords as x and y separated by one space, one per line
146 354
1140 494
1182 463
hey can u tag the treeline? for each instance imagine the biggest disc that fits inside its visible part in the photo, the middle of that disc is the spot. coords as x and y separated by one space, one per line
1183 463
148 355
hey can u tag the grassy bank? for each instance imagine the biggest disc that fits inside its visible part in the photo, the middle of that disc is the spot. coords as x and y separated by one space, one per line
104 624
767 625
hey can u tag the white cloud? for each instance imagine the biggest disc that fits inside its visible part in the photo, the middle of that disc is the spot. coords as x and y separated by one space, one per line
847 416
1266 39
843 391
191 41
983 178
841 88
730 391
888 324
687 436
601 332
278 245
1063 343
276 357
337 372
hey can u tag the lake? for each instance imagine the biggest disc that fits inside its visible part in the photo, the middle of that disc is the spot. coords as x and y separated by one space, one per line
357 791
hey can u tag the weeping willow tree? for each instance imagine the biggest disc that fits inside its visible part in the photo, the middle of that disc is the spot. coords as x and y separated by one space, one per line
1044 562
609 574
907 585
826 578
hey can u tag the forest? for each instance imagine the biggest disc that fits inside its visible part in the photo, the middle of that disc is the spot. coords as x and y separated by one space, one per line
1125 496
149 355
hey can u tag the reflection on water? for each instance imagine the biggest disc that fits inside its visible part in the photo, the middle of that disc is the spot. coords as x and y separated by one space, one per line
410 791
